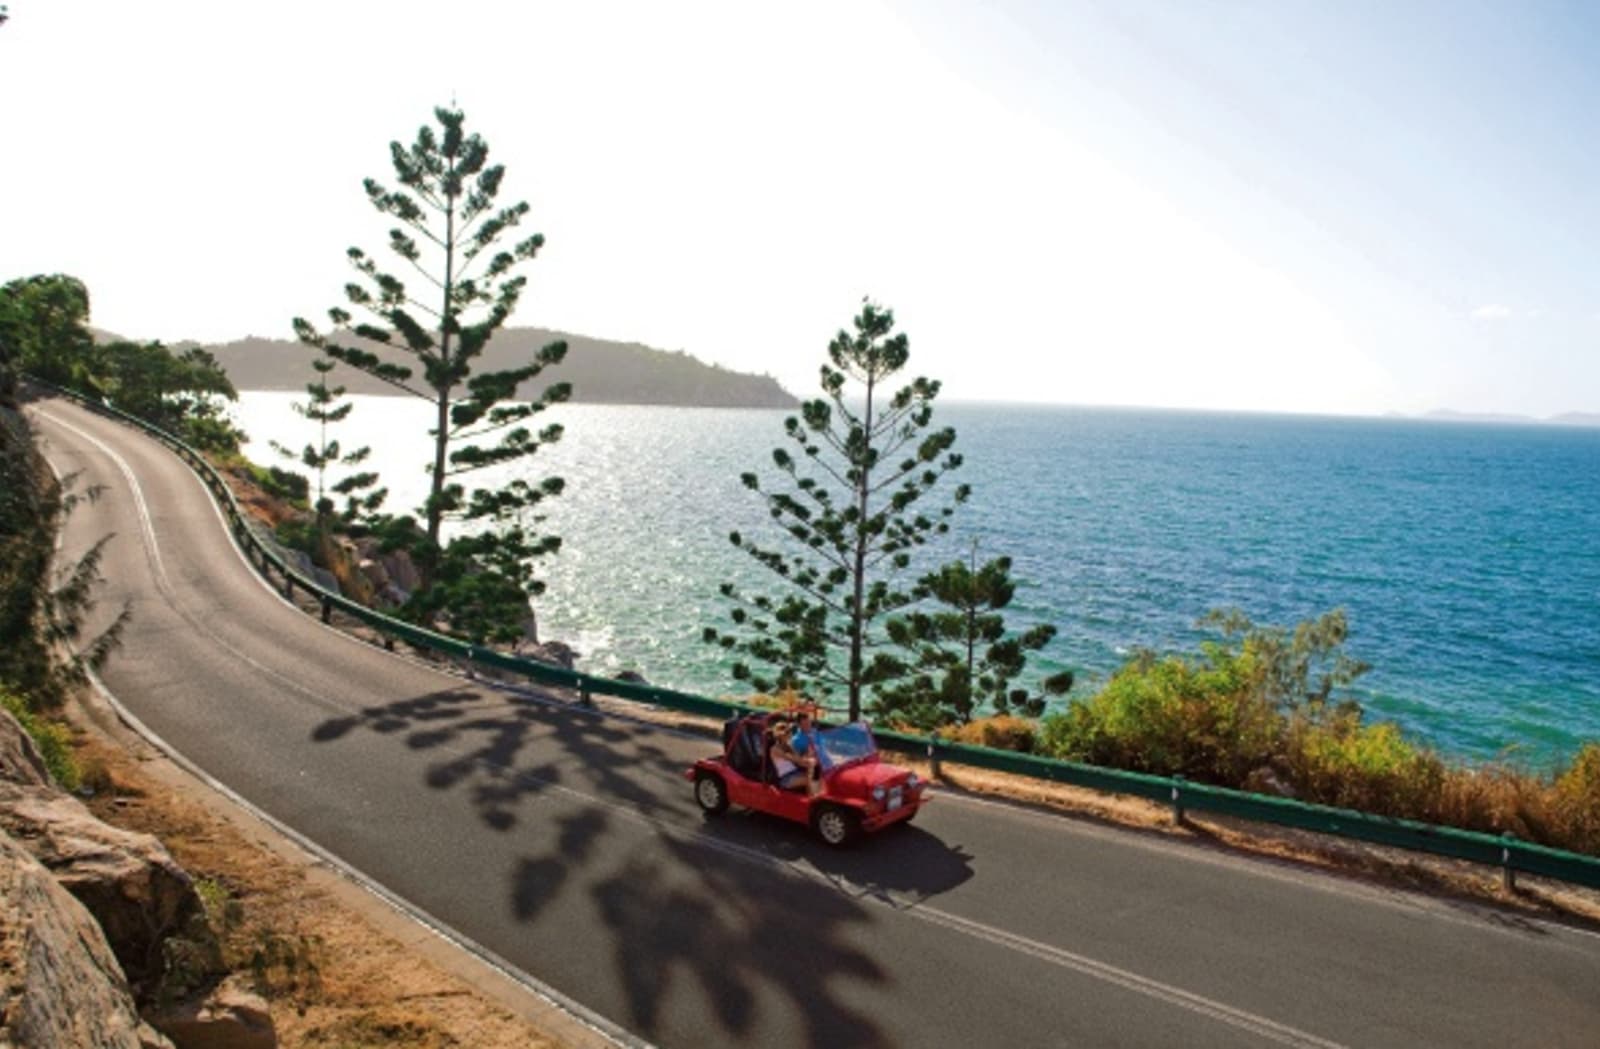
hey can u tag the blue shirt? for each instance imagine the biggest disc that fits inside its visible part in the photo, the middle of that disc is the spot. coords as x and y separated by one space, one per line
803 740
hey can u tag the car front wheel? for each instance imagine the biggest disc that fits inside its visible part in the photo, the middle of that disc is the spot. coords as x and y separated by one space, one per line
836 825
711 793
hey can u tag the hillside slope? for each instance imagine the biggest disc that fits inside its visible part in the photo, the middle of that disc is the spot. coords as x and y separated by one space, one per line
600 371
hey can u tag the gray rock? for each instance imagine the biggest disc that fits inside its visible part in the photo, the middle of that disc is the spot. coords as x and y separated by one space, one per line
59 981
374 572
230 1017
401 570
556 653
128 881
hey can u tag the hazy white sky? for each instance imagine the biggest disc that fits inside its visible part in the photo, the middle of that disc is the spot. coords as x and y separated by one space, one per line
1346 206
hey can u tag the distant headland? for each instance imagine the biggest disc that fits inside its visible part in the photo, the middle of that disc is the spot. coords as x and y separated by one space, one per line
600 371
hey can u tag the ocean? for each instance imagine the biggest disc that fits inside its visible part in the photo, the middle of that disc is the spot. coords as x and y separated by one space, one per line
1466 556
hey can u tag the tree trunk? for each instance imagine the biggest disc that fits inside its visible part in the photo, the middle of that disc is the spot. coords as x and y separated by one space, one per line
858 624
441 440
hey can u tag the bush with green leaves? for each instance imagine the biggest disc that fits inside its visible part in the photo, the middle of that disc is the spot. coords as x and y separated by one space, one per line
53 739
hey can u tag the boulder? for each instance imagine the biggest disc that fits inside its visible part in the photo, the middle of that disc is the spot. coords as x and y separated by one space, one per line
401 570
633 677
231 1016
20 762
128 881
555 653
374 572
59 981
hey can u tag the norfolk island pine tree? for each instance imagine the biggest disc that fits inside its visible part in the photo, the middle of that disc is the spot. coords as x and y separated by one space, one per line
450 233
851 519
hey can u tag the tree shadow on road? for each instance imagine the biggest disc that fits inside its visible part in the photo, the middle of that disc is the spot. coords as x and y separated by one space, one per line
484 736
727 923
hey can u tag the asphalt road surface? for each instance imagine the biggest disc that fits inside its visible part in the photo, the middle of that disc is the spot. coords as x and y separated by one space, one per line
568 843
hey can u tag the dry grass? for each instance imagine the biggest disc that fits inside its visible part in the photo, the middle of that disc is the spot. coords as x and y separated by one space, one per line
331 976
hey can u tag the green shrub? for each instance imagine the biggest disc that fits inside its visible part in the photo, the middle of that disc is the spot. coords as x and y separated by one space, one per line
1373 768
53 739
1205 720
303 535
283 484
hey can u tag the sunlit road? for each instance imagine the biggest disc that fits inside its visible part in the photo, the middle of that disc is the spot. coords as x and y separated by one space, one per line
568 843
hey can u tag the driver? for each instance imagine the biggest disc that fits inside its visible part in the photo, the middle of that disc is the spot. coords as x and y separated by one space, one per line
807 742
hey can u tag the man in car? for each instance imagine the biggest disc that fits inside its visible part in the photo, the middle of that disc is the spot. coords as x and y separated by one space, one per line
807 742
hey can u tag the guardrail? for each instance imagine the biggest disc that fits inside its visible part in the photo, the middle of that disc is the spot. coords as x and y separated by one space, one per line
1506 852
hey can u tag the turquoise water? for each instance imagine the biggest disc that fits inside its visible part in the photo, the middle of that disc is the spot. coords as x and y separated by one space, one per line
1467 557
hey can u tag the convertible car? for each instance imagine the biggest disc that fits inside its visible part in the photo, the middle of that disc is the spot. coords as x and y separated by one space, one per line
860 791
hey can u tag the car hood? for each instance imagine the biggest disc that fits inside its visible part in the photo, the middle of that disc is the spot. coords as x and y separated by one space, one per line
862 776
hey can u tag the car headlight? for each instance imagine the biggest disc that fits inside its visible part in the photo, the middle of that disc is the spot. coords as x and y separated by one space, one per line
879 793
911 781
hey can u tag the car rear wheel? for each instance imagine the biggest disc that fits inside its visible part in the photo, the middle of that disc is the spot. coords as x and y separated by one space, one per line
836 825
711 793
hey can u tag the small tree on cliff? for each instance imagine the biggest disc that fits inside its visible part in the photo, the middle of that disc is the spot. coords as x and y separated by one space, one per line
963 656
852 516
324 407
450 233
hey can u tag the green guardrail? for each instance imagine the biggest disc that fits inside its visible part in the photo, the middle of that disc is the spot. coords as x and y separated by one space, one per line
1508 853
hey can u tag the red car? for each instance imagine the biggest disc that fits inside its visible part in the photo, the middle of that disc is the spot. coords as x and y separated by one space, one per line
860 791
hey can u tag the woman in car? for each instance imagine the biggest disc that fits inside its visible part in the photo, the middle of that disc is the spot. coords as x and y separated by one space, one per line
792 770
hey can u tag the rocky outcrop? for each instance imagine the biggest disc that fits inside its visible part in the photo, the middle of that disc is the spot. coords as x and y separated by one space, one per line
128 881
59 982
556 653
230 1017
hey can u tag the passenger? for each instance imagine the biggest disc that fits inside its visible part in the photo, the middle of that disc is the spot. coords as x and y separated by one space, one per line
792 771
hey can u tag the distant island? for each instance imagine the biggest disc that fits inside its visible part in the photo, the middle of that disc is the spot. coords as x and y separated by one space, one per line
600 371
1565 419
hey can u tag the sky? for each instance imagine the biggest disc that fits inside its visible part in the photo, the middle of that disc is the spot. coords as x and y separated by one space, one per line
1348 207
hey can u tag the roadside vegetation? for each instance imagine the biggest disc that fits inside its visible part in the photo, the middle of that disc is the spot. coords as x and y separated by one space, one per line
1265 709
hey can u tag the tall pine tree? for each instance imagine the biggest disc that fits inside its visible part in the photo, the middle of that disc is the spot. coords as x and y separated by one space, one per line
848 503
456 238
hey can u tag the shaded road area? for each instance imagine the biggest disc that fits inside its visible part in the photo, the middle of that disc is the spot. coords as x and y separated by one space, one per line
567 842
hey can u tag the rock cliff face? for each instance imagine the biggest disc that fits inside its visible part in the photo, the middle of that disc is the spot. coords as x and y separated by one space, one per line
128 881
59 982
84 906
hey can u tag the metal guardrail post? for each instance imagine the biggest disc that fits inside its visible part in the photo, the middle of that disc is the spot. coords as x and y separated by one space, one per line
1508 873
935 762
327 609
1177 800
585 697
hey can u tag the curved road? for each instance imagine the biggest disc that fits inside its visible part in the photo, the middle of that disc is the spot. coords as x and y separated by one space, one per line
567 843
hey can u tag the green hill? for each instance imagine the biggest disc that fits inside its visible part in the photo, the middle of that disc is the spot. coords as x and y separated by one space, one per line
601 372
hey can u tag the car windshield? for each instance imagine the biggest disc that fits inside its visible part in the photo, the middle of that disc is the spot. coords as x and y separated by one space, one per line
848 742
